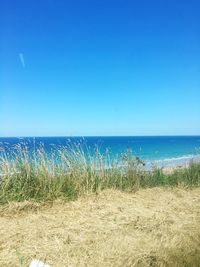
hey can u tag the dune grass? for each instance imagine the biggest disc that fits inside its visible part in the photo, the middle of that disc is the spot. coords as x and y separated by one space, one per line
70 172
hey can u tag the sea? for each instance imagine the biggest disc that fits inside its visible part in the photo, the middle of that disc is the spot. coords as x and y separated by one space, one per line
157 150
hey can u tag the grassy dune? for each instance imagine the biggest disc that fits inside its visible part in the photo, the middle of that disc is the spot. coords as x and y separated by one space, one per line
72 172
152 227
122 214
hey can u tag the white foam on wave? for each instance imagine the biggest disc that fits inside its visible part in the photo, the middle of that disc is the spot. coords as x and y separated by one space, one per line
174 161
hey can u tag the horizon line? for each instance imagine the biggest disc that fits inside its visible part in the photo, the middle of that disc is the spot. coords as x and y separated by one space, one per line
83 136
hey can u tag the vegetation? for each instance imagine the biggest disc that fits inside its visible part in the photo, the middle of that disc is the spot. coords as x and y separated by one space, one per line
69 172
158 227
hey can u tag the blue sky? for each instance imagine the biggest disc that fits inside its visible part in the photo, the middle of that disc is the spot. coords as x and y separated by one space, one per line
107 67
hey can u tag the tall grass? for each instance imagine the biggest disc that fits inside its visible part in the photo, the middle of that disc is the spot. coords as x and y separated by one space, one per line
69 172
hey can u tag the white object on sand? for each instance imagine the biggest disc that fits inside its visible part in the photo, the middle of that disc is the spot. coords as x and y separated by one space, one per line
37 263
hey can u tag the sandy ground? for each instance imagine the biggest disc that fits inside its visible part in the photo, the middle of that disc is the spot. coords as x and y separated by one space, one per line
153 227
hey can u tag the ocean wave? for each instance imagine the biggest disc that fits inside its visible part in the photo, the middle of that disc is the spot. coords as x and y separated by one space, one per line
181 160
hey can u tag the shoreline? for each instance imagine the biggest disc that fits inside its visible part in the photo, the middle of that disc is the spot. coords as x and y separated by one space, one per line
176 162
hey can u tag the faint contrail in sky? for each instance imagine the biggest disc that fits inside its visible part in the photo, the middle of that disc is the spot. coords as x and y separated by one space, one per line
21 57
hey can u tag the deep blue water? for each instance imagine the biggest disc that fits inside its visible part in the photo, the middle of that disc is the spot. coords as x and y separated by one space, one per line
168 149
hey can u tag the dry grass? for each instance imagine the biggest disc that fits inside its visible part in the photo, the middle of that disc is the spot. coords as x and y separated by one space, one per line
153 227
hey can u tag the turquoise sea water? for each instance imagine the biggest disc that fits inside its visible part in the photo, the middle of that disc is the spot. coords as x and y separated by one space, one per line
164 150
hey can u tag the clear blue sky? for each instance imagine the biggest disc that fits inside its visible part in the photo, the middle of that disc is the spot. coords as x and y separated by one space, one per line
106 67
